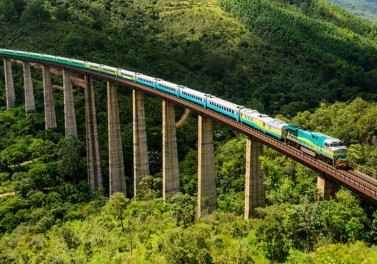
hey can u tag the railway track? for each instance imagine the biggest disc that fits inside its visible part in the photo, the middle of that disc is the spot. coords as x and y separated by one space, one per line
363 177
356 181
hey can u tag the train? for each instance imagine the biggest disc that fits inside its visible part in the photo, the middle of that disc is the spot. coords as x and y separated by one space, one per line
318 145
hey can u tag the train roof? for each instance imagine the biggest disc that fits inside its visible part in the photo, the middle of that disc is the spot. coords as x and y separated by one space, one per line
191 91
163 82
126 71
255 114
146 77
307 131
223 102
109 67
248 111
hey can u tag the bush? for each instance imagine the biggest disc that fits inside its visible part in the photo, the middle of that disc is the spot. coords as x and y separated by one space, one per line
45 223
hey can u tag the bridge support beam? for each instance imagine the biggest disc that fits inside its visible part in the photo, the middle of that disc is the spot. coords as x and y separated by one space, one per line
69 106
28 86
327 189
170 172
254 187
117 182
92 145
49 106
9 85
140 146
206 167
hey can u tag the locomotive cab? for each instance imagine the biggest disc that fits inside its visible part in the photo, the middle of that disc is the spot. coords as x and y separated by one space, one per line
338 151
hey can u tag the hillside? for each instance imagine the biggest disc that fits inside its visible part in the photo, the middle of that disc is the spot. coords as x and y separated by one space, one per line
280 57
364 8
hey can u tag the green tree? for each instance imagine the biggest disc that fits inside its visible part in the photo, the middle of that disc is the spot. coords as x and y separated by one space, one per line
15 154
116 206
343 220
71 164
183 207
70 237
35 11
8 10
43 149
20 6
230 165
187 246
42 175
149 188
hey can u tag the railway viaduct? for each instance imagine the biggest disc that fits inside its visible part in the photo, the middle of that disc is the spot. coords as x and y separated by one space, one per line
329 178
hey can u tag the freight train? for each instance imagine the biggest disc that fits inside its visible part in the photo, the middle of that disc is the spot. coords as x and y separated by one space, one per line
321 146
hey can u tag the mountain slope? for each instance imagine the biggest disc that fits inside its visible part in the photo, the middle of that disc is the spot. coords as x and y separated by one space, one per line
363 8
276 56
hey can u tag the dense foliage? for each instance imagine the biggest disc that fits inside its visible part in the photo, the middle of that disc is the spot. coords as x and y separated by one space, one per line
287 56
276 56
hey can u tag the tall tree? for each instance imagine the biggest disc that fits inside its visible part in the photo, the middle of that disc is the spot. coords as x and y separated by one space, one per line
8 10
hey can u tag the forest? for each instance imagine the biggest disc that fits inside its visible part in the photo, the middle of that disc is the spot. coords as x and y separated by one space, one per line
306 62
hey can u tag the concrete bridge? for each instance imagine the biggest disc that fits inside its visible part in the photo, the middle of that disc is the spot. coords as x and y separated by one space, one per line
329 179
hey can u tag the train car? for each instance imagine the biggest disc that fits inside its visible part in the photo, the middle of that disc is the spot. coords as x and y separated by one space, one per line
62 60
7 52
264 123
77 63
92 66
21 54
109 70
168 87
224 107
127 74
48 58
192 95
33 55
146 80
317 145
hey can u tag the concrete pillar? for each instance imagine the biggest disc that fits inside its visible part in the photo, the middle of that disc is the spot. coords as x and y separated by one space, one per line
69 106
28 86
140 146
117 182
206 167
254 186
48 98
92 146
327 188
9 86
170 172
